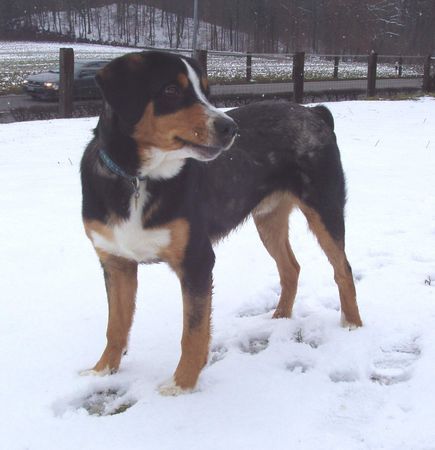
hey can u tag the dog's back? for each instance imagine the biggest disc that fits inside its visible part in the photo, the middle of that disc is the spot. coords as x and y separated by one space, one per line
282 147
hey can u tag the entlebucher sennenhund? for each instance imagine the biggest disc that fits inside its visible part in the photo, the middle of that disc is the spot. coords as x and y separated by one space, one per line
167 175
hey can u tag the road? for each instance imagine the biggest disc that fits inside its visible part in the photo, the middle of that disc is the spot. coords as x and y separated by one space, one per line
24 101
10 102
314 86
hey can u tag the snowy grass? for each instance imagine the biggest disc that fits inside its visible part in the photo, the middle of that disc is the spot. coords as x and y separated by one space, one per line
303 383
19 59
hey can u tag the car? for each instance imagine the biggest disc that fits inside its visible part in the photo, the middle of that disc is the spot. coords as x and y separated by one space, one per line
45 85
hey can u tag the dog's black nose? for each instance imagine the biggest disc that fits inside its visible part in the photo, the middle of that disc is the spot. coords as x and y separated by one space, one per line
225 128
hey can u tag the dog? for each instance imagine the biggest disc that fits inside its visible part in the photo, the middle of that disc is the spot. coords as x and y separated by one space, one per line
167 175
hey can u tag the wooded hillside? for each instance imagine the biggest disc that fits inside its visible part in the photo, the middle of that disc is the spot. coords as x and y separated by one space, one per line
317 26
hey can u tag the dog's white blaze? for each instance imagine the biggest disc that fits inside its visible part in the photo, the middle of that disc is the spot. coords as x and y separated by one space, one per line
193 77
211 111
130 239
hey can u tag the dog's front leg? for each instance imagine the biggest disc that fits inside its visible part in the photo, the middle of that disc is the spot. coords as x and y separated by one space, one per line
120 276
196 284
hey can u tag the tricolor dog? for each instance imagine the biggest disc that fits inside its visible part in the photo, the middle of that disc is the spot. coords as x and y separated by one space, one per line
167 175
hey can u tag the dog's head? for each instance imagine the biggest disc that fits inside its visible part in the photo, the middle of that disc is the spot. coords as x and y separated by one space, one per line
162 98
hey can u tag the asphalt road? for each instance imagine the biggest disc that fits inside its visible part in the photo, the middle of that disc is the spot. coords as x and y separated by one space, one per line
10 102
315 86
24 101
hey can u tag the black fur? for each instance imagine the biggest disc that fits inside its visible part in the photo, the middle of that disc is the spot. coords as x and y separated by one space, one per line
281 147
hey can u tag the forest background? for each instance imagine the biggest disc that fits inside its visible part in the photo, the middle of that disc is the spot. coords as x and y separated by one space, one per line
315 26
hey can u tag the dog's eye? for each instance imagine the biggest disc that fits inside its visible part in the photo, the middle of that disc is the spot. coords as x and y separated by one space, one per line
172 90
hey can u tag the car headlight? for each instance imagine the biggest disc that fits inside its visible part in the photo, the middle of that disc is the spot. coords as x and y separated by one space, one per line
50 85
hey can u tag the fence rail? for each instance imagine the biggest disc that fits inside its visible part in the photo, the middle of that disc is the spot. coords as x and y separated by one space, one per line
232 74
298 76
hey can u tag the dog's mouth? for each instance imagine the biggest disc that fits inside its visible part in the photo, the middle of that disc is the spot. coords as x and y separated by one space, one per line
204 152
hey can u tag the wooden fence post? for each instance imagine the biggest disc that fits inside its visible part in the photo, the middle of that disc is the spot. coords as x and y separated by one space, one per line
336 63
400 66
298 76
248 67
201 57
371 74
66 81
426 74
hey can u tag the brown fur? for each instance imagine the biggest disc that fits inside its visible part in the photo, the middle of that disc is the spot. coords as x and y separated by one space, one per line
195 340
337 257
271 219
173 254
161 132
97 227
121 285
204 82
183 80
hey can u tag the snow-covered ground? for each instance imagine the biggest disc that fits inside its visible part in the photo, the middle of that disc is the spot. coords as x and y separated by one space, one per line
303 383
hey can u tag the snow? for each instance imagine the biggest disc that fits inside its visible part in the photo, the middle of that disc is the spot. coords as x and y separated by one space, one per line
19 59
303 383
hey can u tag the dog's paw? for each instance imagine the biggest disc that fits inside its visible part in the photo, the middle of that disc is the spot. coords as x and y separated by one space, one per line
96 373
170 389
346 324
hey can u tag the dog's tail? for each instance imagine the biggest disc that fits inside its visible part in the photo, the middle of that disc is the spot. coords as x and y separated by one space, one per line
324 113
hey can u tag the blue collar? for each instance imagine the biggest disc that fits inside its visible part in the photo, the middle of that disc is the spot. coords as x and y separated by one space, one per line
114 168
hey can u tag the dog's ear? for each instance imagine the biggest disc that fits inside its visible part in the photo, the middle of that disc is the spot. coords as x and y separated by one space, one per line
122 84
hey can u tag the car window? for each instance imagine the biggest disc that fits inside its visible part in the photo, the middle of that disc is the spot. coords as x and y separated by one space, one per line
90 69
88 72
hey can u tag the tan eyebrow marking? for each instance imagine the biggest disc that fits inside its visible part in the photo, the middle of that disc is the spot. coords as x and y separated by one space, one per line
204 82
183 80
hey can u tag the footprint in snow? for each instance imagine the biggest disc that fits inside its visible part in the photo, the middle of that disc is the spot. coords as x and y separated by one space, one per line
343 376
217 353
312 338
103 402
395 365
256 311
269 299
107 403
254 345
298 366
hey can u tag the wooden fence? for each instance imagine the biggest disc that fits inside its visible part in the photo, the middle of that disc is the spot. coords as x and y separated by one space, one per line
297 87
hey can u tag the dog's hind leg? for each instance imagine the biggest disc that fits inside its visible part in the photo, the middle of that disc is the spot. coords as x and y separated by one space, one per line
333 246
271 219
120 276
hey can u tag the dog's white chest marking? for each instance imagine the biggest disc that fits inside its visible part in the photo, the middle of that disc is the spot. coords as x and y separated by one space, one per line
129 239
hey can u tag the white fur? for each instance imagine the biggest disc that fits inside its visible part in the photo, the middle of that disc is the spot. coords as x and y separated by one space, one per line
168 388
164 165
167 164
193 77
130 239
345 324
212 112
95 373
